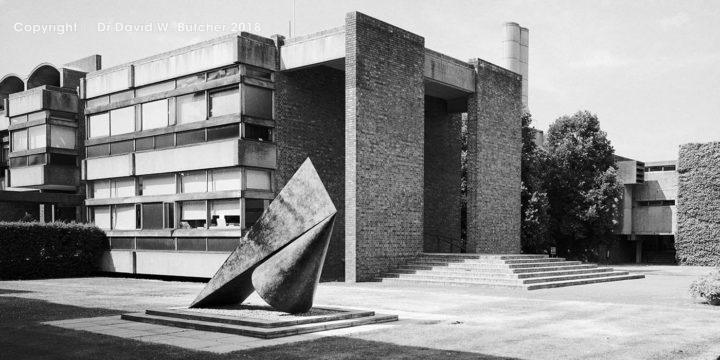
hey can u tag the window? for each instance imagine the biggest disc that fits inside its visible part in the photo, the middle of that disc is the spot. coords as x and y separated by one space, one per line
219 74
62 137
99 125
152 216
144 144
155 243
169 219
98 150
38 159
192 182
257 132
123 187
222 244
224 102
63 160
191 244
157 184
660 168
258 73
164 141
191 108
36 137
18 161
155 114
225 179
190 137
122 121
193 214
258 102
223 132
656 203
125 243
123 217
224 213
19 140
253 210
121 147
101 189
101 217
154 89
258 179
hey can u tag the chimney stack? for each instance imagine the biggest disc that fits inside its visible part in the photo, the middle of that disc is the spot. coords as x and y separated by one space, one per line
517 40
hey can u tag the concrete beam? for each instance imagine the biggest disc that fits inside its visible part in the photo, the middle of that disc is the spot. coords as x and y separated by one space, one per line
313 49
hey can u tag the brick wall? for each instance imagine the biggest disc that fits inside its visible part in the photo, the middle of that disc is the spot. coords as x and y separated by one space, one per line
442 176
698 205
310 111
384 146
494 145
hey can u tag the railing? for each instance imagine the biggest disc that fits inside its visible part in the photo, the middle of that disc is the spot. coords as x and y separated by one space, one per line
453 242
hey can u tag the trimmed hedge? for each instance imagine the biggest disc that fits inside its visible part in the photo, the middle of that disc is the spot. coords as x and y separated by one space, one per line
34 250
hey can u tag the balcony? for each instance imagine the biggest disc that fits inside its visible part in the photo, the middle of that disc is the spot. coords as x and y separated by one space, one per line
46 177
43 98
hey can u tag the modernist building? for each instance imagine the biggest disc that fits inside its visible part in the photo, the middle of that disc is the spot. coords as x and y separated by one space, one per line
176 155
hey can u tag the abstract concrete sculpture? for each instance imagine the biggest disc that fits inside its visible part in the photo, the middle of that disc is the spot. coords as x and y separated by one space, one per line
281 257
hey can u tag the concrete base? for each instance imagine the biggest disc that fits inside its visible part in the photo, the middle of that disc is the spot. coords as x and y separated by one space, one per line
260 328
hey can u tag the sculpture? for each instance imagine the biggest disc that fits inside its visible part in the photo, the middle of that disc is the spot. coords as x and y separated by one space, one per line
282 255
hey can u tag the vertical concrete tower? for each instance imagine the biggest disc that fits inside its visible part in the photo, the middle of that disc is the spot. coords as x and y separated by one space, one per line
516 43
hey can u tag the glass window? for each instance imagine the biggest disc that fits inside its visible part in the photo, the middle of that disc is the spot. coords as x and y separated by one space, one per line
123 217
36 137
155 114
37 159
225 102
121 147
224 213
18 161
193 214
157 185
257 132
191 108
258 102
190 137
101 216
222 244
223 132
169 220
192 182
124 187
122 243
99 125
62 137
19 140
258 73
152 243
122 121
258 179
98 150
219 74
154 89
226 179
63 160
101 189
164 141
152 216
253 210
191 244
144 144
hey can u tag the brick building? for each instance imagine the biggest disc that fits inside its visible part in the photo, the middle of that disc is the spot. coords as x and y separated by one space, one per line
176 154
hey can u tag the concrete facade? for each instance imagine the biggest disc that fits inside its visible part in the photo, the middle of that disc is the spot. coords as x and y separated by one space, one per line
177 154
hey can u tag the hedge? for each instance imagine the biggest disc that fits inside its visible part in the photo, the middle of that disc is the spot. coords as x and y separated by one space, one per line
35 250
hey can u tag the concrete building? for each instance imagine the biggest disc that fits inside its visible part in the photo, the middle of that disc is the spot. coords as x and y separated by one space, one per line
177 154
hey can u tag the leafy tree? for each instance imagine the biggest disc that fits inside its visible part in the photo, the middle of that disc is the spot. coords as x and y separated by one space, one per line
582 185
534 200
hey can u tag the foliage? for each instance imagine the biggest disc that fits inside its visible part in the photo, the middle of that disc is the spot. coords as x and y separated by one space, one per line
707 287
534 200
582 185
30 250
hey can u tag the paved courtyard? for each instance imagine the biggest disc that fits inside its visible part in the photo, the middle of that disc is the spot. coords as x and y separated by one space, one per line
651 318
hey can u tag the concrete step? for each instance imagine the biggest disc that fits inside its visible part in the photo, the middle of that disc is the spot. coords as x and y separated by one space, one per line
265 333
559 267
454 277
482 256
541 274
449 283
501 273
592 275
555 284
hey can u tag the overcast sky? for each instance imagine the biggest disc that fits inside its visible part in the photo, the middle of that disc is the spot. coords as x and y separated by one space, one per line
648 69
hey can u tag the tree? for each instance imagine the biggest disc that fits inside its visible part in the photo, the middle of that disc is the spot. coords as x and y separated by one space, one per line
534 200
582 185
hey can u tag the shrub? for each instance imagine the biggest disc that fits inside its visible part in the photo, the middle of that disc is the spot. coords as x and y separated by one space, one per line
707 287
34 250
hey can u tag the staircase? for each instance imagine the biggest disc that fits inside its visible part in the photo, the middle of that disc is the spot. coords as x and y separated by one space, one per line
518 271
661 257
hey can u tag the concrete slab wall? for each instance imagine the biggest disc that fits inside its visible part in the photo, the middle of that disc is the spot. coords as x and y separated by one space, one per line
494 146
384 146
310 122
442 177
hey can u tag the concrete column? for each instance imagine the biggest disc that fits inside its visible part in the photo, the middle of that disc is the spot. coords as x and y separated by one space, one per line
494 146
384 140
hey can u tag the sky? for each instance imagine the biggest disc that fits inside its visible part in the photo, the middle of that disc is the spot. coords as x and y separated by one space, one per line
648 69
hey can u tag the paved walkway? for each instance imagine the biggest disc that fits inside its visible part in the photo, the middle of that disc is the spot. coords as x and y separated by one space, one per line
651 318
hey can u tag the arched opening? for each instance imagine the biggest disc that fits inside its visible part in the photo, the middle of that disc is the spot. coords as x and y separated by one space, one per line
9 84
44 75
